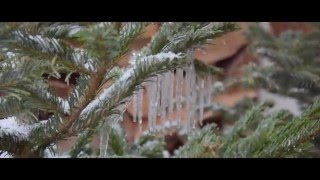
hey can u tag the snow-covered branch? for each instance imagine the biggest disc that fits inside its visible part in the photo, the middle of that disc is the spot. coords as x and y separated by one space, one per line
146 65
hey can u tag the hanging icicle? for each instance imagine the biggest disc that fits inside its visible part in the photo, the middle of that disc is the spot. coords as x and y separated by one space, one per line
170 97
209 87
107 127
152 91
105 131
163 99
201 100
191 99
104 138
140 105
188 95
135 106
172 94
149 88
178 94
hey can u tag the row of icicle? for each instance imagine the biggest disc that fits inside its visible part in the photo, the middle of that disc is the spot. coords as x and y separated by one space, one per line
172 94
169 96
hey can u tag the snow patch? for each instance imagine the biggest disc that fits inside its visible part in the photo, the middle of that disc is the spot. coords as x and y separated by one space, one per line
151 144
280 102
89 66
266 26
166 154
10 125
5 155
65 105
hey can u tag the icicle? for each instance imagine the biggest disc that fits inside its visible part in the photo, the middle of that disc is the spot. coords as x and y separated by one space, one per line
178 94
190 96
149 93
194 94
152 108
135 106
201 100
106 129
158 101
164 95
103 149
170 96
210 86
187 96
104 138
196 102
191 91
206 92
140 110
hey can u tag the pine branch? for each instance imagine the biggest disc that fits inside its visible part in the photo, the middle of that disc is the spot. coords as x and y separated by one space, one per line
17 74
79 90
203 144
90 92
61 130
41 98
106 104
278 135
240 130
249 118
129 32
13 138
10 106
59 30
294 133
179 37
148 145
12 144
86 136
127 83
290 83
123 88
50 47
294 60
83 139
101 41
117 140
95 81
204 70
53 50
260 37
112 97
258 139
